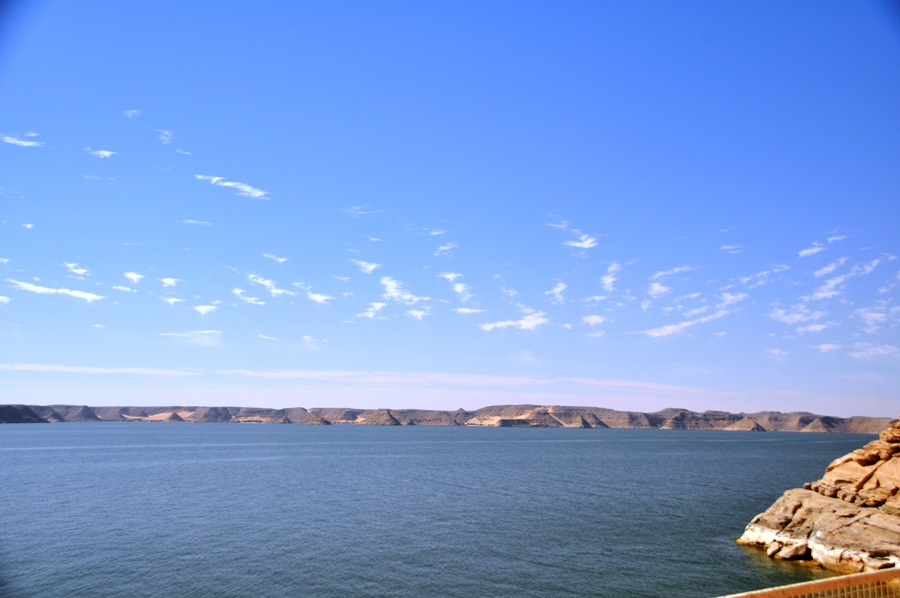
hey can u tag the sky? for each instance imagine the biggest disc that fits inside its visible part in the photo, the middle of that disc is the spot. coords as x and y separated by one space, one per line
451 204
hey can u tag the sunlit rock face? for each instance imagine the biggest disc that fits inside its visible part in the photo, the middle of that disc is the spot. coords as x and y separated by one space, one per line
848 521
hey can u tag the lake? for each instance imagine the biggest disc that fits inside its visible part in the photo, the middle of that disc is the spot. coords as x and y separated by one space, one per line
161 509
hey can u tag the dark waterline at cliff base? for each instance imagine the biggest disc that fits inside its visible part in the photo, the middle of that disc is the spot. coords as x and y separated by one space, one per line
145 509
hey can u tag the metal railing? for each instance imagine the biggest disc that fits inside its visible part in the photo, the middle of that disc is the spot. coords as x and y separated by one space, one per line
877 584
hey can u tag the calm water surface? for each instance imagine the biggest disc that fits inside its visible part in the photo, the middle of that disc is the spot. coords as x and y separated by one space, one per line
149 509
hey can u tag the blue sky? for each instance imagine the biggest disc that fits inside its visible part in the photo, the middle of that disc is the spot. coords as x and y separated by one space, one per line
443 205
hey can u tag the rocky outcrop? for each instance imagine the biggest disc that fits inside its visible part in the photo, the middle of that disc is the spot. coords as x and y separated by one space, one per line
849 521
19 414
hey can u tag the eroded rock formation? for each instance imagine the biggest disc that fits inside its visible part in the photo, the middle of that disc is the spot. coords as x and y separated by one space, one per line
849 521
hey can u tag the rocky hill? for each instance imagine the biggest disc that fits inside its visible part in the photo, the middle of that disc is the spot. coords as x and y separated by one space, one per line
849 521
535 416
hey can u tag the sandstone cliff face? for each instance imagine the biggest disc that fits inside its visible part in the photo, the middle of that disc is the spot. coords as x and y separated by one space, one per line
849 521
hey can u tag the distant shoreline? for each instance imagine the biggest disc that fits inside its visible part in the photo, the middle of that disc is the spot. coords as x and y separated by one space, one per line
504 416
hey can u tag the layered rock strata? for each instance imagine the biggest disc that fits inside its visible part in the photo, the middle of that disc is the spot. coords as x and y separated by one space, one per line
534 416
849 521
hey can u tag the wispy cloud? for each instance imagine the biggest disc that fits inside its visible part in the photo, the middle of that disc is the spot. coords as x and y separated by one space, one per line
241 188
417 313
341 278
866 351
275 258
730 299
200 222
239 293
761 278
119 287
826 347
172 300
829 268
269 284
593 320
834 238
204 309
673 328
531 320
74 369
182 152
777 352
100 153
562 224
265 337
434 231
169 282
451 276
657 290
594 299
366 267
678 270
20 142
467 310
396 290
556 293
696 311
814 328
354 211
873 318
203 338
444 248
75 269
319 298
796 314
4 299
834 286
461 289
28 226
732 249
584 241
816 248
134 277
33 288
132 113
609 279
372 310
165 136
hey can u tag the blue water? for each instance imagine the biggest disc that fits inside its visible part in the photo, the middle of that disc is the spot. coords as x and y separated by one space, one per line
150 509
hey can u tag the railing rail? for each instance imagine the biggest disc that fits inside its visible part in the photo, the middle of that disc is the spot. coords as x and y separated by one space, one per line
877 584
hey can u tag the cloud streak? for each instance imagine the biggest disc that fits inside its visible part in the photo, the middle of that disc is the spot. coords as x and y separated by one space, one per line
673 328
33 288
241 188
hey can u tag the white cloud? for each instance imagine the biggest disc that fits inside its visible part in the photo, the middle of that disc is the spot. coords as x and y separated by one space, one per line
20 142
645 304
241 188
657 290
434 231
696 311
28 226
826 347
563 224
354 211
777 352
584 241
594 299
816 248
462 290
673 328
169 282
467 310
74 269
375 239
268 338
593 320
556 293
4 299
181 151
172 300
417 313
608 281
318 298
239 293
678 270
98 326
597 334
688 296
134 277
834 286
531 320
200 222
92 177
270 285
165 136
731 299
366 267
204 338
132 113
873 318
732 249
4 260
119 287
204 309
446 247
837 238
27 286
451 276
373 309
796 314
341 278
100 153
813 328
720 334
866 351
275 258
396 290
829 268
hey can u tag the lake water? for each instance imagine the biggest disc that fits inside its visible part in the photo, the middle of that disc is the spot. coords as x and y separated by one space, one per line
149 509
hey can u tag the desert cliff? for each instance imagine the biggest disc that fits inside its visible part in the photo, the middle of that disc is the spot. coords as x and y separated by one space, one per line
849 521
